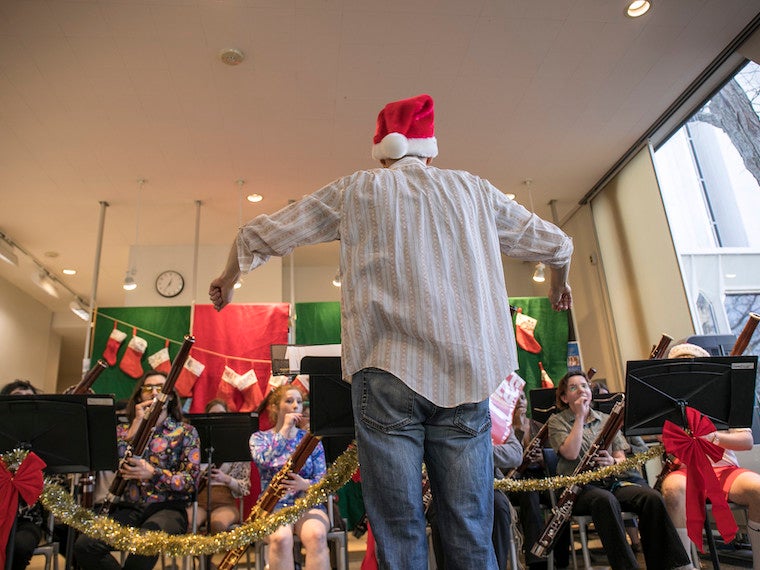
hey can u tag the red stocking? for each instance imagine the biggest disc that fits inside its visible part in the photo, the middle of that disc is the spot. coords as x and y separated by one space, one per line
227 390
131 362
160 360
524 329
112 345
191 371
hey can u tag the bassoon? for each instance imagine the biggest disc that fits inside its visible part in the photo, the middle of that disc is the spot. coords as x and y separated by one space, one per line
88 380
660 350
746 335
563 510
530 449
274 491
140 440
87 480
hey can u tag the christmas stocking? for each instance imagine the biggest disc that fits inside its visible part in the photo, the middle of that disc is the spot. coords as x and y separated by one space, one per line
302 383
247 385
191 371
112 345
525 326
227 390
160 360
131 363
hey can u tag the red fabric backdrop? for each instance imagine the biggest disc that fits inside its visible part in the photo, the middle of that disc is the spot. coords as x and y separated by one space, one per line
244 331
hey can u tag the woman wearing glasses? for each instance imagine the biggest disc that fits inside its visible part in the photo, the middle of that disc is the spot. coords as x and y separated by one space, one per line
160 483
572 431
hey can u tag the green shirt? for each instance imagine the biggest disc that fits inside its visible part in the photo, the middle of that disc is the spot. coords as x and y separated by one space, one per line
560 425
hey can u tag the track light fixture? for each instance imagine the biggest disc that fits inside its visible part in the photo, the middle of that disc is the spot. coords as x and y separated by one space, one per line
42 279
6 250
538 274
336 280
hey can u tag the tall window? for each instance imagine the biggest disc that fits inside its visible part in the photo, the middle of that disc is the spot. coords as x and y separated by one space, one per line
709 175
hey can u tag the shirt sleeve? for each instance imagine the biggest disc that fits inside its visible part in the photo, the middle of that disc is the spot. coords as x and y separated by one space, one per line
182 474
508 455
523 235
311 220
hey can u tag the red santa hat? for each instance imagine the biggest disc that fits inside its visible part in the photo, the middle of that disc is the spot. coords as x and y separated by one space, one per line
405 128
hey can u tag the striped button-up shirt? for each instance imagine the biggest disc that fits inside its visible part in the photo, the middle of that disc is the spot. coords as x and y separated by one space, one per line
423 294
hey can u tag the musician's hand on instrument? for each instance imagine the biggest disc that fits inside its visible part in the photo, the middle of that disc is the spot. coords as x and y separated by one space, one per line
294 482
218 476
291 420
137 468
536 455
603 459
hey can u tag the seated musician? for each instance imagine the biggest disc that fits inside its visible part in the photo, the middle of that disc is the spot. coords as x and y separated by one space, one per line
740 485
160 483
270 450
506 456
531 516
572 432
230 482
30 519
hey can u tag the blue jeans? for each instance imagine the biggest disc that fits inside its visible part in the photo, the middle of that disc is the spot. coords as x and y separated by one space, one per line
396 430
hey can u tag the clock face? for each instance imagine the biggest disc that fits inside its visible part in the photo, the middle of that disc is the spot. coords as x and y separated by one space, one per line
170 283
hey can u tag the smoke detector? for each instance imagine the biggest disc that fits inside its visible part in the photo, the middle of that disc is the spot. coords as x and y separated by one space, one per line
231 56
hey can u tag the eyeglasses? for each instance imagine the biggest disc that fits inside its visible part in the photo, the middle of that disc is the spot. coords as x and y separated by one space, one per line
148 388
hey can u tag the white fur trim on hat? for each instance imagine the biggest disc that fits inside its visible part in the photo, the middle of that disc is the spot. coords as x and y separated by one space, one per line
688 350
396 145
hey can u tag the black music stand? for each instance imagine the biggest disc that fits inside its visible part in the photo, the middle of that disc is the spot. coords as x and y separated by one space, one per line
721 388
71 433
331 412
605 402
543 403
224 438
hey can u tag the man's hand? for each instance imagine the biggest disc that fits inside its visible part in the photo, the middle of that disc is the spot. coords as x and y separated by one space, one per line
561 298
220 293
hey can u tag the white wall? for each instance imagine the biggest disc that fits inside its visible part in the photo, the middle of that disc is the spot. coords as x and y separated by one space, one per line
264 285
29 349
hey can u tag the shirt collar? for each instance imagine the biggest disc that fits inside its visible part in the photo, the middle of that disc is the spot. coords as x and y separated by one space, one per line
408 161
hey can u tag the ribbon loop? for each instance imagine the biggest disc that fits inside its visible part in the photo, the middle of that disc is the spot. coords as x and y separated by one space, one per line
701 483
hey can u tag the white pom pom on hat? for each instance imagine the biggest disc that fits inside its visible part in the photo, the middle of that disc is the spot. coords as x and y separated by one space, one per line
687 350
404 128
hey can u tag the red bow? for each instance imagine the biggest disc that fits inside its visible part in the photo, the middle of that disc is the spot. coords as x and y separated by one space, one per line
27 482
701 482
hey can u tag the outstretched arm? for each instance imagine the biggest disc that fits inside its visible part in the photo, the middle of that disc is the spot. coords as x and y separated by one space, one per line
221 289
560 294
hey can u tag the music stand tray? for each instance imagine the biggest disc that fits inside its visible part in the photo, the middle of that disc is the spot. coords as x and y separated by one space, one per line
542 403
721 388
225 437
71 433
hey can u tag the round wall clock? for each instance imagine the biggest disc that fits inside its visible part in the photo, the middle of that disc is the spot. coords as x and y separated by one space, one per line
170 283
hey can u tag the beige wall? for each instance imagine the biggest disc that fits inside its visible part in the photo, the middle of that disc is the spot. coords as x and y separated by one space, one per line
639 263
29 349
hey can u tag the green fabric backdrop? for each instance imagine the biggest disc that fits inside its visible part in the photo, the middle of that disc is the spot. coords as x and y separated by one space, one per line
318 323
155 324
551 333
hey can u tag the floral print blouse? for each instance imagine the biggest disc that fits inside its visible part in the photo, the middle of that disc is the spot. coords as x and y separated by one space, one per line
270 450
174 449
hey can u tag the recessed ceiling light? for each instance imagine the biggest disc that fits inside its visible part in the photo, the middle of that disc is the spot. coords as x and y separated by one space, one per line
511 196
730 275
254 197
231 56
69 271
637 8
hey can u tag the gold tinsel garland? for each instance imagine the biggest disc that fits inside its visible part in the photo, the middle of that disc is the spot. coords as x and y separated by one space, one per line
561 481
58 501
